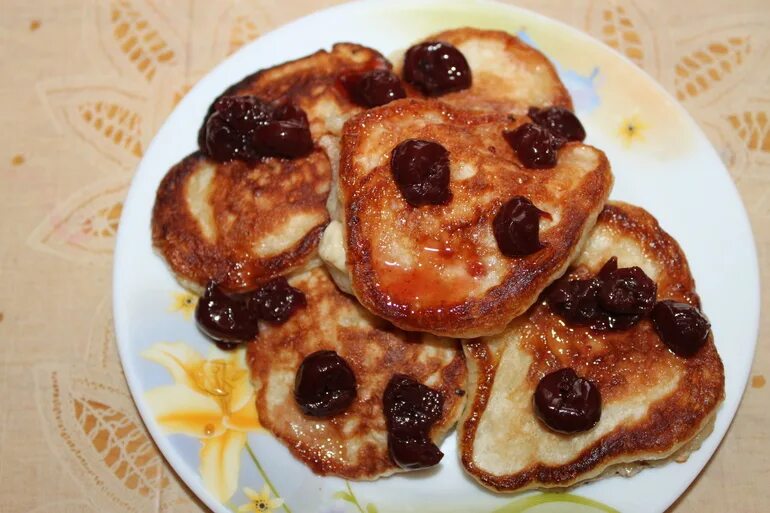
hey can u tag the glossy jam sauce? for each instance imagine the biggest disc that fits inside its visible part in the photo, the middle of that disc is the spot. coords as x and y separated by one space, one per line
422 286
444 272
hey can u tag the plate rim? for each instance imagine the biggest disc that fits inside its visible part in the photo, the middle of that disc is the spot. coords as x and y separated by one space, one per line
162 440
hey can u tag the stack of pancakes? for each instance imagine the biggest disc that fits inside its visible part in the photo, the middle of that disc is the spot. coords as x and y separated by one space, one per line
396 289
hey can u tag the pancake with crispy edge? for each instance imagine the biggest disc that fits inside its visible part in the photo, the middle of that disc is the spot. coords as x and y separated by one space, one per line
507 74
437 268
243 223
655 405
353 444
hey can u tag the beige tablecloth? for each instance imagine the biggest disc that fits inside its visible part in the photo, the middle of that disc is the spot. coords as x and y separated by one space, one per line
86 84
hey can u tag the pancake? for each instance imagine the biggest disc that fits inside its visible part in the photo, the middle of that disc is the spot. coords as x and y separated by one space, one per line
508 75
655 405
311 82
242 224
353 444
437 268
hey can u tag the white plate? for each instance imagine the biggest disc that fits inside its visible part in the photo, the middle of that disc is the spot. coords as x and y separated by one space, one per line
666 166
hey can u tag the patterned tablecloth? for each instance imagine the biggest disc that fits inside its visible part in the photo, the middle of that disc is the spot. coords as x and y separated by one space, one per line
85 86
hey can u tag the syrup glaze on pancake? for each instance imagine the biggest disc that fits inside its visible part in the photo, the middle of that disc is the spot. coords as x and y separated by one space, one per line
508 75
353 444
653 402
240 224
437 268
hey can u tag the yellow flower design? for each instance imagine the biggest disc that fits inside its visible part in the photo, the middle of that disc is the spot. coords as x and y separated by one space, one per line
184 303
632 129
211 399
260 502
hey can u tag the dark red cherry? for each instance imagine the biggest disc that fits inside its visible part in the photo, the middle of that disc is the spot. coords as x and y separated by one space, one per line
373 88
410 405
276 301
286 134
607 321
517 227
616 299
230 127
609 267
224 317
567 403
436 68
627 290
247 128
562 123
324 385
421 171
534 146
411 409
287 111
413 452
681 326
577 301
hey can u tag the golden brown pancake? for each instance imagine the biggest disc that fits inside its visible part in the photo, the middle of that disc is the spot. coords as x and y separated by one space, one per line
353 444
653 402
437 268
242 224
508 75
312 84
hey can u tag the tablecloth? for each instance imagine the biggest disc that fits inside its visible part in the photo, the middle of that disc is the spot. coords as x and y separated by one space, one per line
86 84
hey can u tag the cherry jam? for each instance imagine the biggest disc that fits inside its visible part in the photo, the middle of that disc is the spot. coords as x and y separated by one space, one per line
411 409
517 227
566 402
682 327
373 88
562 123
533 145
248 128
436 68
421 172
324 385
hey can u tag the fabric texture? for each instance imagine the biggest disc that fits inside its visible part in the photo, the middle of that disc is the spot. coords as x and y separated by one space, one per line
86 85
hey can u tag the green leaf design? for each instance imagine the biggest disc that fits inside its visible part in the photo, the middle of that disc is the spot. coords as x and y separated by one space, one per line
345 496
350 497
555 503
264 475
